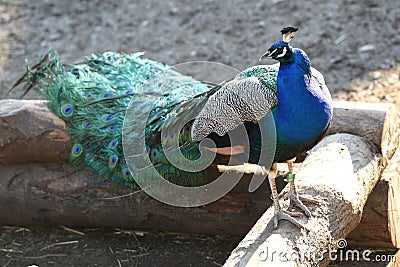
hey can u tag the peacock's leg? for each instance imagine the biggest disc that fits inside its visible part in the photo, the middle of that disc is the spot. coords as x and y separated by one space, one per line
279 213
294 198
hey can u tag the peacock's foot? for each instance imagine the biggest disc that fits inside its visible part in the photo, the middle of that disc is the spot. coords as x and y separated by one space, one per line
287 216
280 214
296 200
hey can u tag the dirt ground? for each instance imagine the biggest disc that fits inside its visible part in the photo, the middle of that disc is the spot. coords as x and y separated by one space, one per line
355 44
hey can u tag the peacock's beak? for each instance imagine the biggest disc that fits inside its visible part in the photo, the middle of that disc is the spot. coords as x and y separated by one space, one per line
265 56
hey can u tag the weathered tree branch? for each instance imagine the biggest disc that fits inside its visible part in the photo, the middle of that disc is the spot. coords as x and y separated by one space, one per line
375 121
380 224
58 194
340 172
245 168
29 132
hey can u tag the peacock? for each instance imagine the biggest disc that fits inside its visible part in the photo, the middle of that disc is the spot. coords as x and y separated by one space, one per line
299 101
97 97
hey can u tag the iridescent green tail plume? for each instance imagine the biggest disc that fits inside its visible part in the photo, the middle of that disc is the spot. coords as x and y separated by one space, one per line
92 98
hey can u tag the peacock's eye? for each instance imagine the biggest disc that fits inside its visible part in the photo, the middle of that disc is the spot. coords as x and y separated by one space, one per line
154 154
281 51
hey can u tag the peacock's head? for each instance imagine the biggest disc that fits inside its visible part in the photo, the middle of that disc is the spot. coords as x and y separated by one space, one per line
281 50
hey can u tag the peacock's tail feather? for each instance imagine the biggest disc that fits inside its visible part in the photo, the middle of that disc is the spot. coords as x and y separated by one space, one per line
92 98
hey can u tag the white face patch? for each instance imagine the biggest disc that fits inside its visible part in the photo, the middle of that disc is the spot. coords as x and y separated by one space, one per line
287 37
283 52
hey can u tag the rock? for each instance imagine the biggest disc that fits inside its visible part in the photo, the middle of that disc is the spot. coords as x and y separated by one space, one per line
366 48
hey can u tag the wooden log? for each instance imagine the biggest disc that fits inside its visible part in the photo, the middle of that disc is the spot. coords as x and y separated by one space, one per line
245 168
376 121
57 194
381 211
27 128
340 172
395 260
29 132
380 223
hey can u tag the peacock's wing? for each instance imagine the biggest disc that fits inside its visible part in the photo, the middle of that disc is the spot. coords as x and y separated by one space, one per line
318 78
249 97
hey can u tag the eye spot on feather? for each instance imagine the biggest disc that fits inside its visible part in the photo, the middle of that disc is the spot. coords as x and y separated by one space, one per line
108 117
169 137
112 162
106 95
154 154
126 173
87 125
89 157
67 110
111 128
113 144
76 150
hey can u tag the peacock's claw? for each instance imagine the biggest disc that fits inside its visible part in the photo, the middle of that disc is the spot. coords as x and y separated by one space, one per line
288 216
296 200
309 200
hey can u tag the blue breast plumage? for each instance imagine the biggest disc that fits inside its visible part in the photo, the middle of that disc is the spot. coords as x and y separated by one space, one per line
304 108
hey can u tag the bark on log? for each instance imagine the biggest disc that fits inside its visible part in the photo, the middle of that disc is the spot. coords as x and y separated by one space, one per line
27 128
375 121
395 262
57 194
29 132
340 172
380 223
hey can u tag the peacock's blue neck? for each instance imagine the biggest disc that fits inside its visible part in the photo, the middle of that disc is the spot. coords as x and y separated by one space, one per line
304 108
